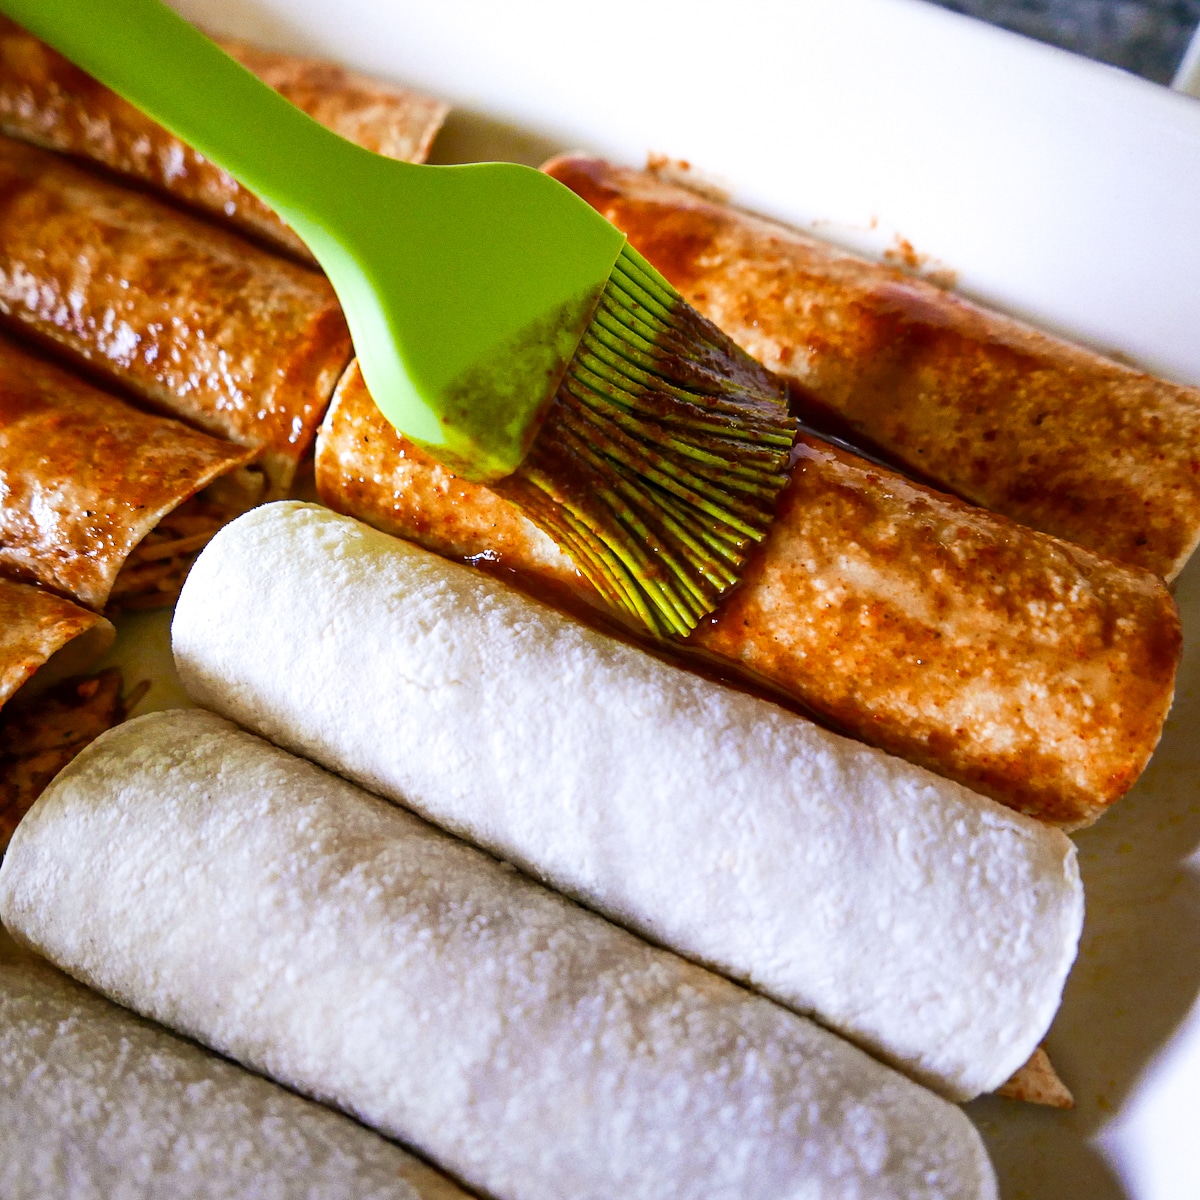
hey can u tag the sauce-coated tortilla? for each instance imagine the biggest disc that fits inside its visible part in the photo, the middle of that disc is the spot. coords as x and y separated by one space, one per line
1053 435
47 100
923 921
188 317
1030 670
36 627
527 1046
98 1104
44 641
85 478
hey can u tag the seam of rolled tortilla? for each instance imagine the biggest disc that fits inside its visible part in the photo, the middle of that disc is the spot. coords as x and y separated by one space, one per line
1031 671
96 1102
355 953
43 634
1049 433
923 921
44 640
86 477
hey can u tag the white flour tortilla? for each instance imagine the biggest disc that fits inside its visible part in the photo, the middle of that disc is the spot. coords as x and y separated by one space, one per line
353 952
929 924
96 1104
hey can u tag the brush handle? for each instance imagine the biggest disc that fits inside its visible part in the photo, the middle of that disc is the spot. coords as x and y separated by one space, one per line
164 66
467 288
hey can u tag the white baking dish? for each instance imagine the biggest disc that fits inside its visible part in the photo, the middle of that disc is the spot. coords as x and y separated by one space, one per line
1055 188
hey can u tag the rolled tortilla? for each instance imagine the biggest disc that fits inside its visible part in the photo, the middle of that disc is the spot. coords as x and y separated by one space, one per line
96 1104
44 642
191 319
100 496
922 921
354 953
44 635
1053 435
1032 671
49 101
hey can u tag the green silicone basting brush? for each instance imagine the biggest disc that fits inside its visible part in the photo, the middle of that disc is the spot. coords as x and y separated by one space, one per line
500 323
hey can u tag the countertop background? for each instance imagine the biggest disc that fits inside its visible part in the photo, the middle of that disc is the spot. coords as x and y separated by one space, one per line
1147 37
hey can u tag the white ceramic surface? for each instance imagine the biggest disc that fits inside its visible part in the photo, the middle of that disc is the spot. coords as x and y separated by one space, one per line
1056 188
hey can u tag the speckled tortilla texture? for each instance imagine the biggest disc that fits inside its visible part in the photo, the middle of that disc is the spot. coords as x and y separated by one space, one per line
1029 670
184 316
925 922
97 1104
1051 434
85 476
349 950
34 626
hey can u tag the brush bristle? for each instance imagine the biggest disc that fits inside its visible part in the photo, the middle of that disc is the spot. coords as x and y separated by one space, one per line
661 458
